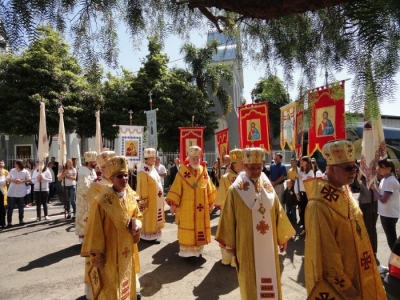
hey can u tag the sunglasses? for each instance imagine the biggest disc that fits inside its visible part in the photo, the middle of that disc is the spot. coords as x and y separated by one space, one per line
348 169
119 176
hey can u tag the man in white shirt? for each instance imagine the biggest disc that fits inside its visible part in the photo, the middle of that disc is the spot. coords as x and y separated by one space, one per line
161 170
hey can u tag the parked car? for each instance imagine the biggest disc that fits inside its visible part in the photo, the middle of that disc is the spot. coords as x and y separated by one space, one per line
391 279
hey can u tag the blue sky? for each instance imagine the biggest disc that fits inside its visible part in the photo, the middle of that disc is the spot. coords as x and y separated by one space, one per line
130 59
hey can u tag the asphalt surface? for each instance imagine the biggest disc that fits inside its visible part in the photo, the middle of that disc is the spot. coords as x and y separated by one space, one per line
40 260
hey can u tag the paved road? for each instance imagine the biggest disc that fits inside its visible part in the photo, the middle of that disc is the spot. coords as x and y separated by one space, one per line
40 260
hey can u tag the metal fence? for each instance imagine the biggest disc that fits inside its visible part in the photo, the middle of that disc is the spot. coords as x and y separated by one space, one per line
210 157
9 161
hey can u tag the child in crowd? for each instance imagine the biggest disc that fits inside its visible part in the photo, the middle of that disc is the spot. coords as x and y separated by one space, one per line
289 198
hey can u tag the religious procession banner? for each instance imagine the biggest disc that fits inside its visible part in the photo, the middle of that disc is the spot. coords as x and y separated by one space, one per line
190 136
328 122
223 142
288 123
131 143
373 145
299 128
254 128
152 140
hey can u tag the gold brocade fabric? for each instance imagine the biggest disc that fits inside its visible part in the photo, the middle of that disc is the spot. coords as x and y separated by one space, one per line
225 182
4 188
93 193
235 231
147 191
108 233
193 195
338 254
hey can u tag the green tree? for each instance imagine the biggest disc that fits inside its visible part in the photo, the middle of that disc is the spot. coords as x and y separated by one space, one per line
46 72
173 94
207 74
271 90
331 35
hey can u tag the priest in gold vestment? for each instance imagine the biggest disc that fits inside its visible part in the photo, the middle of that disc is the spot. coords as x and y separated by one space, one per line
339 260
253 226
112 234
94 191
193 194
225 182
151 193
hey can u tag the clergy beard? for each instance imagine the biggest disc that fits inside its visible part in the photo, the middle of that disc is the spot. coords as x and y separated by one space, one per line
195 166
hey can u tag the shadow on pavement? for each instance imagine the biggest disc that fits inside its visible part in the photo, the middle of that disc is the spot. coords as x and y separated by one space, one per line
221 280
172 268
52 258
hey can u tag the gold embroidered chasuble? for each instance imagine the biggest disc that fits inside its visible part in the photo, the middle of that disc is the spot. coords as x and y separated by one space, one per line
92 195
85 178
237 231
338 253
225 182
193 193
108 233
151 204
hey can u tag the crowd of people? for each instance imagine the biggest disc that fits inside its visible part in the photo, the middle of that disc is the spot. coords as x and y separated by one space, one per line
259 209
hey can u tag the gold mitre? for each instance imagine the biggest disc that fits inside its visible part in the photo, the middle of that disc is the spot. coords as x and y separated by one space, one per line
149 152
117 164
338 152
103 156
194 151
253 155
236 155
90 156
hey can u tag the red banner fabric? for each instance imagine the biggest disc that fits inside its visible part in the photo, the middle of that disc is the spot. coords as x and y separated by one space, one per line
299 128
328 116
223 142
190 136
254 128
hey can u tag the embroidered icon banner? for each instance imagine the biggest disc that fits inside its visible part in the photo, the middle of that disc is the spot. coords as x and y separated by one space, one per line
152 139
131 143
373 145
254 127
299 128
223 142
328 122
288 123
190 136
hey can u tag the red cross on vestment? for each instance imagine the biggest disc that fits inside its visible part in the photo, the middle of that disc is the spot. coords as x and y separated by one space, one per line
200 207
187 174
160 194
330 193
262 227
146 169
324 296
126 252
366 260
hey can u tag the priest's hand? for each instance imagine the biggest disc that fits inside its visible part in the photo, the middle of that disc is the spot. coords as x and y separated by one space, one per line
98 261
210 209
283 247
172 209
352 292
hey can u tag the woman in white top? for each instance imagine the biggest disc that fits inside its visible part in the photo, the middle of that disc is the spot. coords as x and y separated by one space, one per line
41 188
316 170
388 199
306 172
18 177
30 167
69 177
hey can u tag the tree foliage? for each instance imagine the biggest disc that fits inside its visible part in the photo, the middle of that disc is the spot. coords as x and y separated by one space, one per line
46 72
300 34
176 99
271 90
208 75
